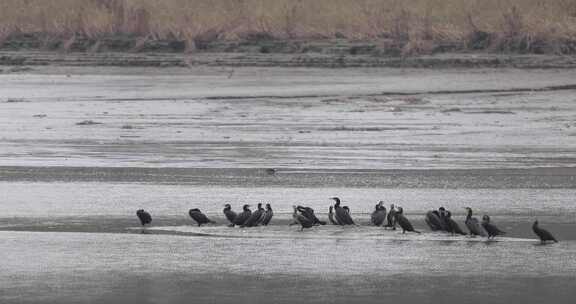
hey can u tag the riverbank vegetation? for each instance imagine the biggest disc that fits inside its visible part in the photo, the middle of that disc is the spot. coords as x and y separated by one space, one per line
388 27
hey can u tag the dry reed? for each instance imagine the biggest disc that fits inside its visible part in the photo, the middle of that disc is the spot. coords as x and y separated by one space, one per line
411 26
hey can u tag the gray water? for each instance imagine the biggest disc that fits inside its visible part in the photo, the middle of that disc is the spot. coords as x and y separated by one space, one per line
81 242
288 118
74 267
171 140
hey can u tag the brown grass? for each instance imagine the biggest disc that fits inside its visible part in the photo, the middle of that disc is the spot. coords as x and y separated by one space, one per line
412 26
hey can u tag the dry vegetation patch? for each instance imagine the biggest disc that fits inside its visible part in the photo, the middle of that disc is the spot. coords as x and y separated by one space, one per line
401 27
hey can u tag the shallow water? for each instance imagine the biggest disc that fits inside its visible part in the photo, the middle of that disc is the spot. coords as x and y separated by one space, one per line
288 118
172 140
98 267
81 242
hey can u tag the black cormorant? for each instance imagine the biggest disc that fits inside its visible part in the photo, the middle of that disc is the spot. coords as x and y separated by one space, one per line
453 227
391 218
243 216
342 216
230 215
379 214
543 234
309 213
434 221
301 219
442 212
473 224
267 215
199 217
491 229
404 222
349 219
145 217
255 217
331 216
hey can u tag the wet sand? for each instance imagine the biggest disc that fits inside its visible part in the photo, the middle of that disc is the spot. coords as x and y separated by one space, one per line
537 178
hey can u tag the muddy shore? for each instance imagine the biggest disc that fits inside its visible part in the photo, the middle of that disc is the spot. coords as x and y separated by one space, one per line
537 178
23 58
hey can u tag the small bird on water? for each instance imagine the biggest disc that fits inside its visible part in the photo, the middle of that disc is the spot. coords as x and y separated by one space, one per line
543 234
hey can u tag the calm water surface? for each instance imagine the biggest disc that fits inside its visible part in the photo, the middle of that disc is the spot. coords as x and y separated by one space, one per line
81 150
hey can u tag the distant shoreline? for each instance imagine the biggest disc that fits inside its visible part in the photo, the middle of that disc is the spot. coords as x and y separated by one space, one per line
131 51
24 58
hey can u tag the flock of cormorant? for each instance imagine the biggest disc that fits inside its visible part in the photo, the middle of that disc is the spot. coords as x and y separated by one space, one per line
437 220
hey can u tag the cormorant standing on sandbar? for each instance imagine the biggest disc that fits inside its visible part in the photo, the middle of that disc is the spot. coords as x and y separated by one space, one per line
473 224
391 218
267 215
379 214
342 216
242 217
490 228
199 217
309 213
442 212
453 227
255 217
331 216
433 220
301 219
230 215
404 222
145 217
543 234
349 217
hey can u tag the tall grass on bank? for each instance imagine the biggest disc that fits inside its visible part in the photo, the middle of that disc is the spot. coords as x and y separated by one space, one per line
413 26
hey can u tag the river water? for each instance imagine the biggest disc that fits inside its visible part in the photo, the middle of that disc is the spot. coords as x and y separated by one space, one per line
174 140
